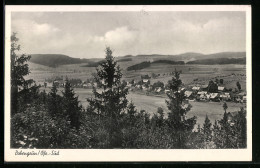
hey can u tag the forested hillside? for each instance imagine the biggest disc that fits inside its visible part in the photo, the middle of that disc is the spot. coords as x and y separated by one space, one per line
54 60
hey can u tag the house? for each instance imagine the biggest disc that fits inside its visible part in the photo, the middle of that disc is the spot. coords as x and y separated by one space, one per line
145 80
221 88
188 94
202 93
214 96
196 88
225 96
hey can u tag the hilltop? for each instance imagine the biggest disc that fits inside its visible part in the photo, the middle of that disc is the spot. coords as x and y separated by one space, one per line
55 60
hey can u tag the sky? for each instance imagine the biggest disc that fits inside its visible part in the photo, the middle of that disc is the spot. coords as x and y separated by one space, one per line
86 34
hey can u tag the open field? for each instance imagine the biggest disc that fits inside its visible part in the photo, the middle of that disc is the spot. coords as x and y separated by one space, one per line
214 110
204 73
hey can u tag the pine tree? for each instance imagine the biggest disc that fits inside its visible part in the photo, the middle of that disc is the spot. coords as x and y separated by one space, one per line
238 86
161 116
131 112
54 102
241 128
19 69
71 106
178 110
207 129
111 102
225 107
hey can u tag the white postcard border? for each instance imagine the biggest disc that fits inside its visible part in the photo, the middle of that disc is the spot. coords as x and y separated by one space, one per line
106 155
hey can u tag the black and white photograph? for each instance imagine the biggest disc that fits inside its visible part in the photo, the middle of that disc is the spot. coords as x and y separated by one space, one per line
132 81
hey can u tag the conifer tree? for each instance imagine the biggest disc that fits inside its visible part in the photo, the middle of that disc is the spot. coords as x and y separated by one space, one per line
111 102
161 116
241 128
225 107
178 109
131 112
72 109
19 69
207 129
54 102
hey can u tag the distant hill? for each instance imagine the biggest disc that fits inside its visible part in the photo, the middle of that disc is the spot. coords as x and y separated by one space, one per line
214 61
54 60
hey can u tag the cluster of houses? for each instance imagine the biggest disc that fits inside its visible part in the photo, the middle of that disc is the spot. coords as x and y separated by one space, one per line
200 93
61 83
193 93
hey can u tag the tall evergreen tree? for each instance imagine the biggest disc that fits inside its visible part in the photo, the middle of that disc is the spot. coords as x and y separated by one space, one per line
238 86
54 102
207 129
178 109
19 69
111 101
241 128
71 106
225 107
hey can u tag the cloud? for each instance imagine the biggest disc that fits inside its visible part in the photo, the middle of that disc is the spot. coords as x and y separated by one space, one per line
156 33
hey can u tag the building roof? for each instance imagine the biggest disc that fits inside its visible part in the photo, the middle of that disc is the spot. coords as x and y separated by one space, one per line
195 88
213 95
221 88
202 92
188 93
145 80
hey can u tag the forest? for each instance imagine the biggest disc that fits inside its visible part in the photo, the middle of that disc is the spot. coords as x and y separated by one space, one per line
49 120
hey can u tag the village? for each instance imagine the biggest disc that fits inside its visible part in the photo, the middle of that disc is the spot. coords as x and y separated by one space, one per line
213 91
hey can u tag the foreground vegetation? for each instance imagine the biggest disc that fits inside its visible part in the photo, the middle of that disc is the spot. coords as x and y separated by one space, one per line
41 120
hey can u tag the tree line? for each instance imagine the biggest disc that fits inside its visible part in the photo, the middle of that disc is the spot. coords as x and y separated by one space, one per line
51 120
